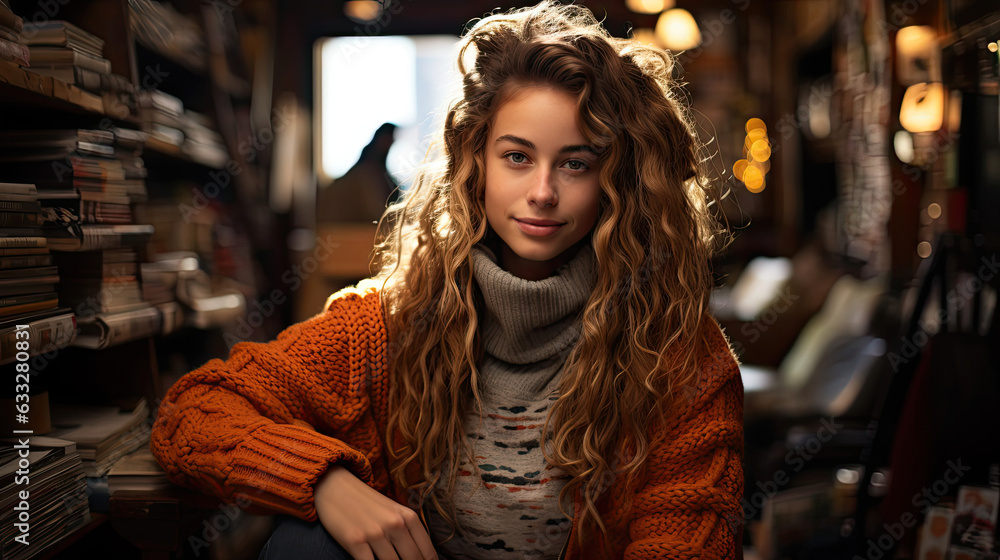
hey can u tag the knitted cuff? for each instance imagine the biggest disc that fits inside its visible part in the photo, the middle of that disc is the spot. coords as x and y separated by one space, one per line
278 465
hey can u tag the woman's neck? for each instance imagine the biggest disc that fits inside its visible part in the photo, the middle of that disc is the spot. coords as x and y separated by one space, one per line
534 270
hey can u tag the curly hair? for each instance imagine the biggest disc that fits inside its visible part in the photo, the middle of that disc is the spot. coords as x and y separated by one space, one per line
653 241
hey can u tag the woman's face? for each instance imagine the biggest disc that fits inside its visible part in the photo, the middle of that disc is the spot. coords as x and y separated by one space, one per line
542 186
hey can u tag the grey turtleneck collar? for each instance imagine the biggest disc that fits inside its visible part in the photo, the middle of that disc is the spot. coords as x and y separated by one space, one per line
530 321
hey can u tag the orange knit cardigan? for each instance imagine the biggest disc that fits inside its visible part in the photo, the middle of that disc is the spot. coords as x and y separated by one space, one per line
263 426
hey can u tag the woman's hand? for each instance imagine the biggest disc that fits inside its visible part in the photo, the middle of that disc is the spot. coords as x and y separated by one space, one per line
367 524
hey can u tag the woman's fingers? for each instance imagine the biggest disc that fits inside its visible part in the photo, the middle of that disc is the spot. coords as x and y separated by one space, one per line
369 525
420 537
409 537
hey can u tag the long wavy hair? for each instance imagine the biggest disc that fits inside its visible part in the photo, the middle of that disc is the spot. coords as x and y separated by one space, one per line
653 241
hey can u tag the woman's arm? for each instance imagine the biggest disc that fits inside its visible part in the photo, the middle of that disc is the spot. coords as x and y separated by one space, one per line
246 428
689 506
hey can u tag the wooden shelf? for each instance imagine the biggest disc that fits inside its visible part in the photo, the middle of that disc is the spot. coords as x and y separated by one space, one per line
46 92
158 148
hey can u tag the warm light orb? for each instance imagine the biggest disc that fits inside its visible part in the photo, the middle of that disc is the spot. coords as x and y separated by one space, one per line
756 134
914 40
754 124
923 249
753 179
992 46
739 168
761 150
934 210
763 166
677 30
648 6
922 109
362 10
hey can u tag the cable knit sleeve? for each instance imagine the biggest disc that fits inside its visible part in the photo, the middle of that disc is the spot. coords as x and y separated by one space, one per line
689 504
253 427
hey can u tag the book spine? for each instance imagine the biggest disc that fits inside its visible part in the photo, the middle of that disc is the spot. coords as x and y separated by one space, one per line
132 326
20 219
46 334
19 206
17 197
23 242
20 300
25 261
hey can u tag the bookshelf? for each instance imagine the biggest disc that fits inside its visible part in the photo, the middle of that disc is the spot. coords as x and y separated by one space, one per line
167 233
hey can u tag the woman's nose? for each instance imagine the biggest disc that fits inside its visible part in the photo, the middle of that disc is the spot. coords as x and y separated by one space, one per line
543 192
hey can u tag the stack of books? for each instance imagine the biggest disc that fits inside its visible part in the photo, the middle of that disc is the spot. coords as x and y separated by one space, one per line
82 186
103 434
137 471
87 182
163 117
69 54
56 490
12 45
201 142
28 278
176 130
105 290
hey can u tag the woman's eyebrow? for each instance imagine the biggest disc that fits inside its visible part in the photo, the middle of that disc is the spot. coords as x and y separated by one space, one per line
564 150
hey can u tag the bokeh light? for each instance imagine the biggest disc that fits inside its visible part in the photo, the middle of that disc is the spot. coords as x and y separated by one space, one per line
754 124
753 179
649 6
761 150
757 154
934 210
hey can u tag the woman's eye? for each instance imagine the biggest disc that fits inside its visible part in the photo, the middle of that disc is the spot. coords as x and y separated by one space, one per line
516 157
576 165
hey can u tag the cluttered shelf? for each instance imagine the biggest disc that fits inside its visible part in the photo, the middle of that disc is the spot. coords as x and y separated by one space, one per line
121 289
19 87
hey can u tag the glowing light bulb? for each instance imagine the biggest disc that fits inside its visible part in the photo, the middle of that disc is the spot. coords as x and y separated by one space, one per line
922 109
677 30
648 6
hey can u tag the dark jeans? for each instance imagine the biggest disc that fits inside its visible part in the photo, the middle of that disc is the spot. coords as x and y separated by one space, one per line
294 539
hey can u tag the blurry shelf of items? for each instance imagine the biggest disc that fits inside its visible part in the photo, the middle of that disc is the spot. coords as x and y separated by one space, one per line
96 274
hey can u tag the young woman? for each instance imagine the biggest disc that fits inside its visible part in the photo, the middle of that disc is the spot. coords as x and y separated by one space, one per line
533 372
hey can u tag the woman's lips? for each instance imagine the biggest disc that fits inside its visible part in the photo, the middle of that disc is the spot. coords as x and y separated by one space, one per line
537 230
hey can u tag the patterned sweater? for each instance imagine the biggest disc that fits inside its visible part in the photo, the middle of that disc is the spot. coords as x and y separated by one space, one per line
265 424
507 505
